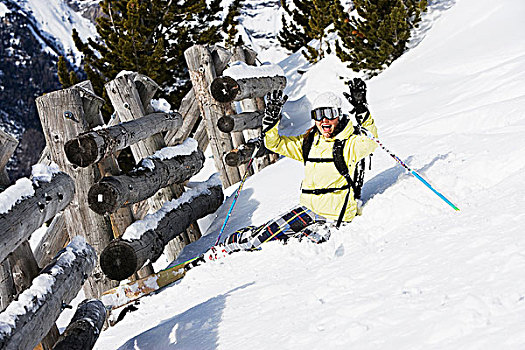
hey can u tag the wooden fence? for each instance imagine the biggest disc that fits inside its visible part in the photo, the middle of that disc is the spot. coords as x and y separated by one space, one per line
86 200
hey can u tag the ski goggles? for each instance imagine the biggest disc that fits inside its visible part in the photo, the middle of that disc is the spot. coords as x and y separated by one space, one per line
330 113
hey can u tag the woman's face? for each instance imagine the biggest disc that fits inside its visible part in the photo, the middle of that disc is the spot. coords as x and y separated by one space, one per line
327 126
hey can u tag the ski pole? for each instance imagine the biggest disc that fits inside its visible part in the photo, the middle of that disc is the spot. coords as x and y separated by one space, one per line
238 190
419 177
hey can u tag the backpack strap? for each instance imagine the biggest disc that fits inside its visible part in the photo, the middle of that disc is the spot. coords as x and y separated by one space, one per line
342 167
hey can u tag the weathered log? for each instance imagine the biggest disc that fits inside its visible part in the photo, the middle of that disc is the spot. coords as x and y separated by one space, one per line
243 154
28 214
189 110
64 115
241 121
25 321
227 89
202 73
52 241
84 328
153 173
90 147
145 240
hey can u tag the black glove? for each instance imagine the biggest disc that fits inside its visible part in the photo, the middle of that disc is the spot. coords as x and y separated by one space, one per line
274 104
357 98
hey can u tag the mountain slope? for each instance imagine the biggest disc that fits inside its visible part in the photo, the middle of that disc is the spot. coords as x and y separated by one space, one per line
410 272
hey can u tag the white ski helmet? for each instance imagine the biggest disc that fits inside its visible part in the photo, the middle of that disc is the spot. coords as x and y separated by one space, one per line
327 104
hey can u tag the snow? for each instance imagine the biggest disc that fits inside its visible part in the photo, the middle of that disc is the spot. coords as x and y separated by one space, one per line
241 70
150 221
23 188
44 173
185 149
410 273
56 19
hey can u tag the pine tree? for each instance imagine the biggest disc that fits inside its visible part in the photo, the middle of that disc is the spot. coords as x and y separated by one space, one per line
320 19
229 25
66 77
148 37
379 34
310 18
293 35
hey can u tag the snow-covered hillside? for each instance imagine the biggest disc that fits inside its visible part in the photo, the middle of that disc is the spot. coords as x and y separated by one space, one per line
411 272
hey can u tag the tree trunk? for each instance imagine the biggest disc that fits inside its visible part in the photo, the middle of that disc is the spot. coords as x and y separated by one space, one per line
126 255
30 213
90 147
34 313
202 73
226 89
84 328
64 116
113 192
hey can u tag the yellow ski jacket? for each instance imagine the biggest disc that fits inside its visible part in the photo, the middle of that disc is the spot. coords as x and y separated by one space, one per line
324 174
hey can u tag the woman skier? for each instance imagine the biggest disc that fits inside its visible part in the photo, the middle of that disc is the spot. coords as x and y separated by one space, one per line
330 150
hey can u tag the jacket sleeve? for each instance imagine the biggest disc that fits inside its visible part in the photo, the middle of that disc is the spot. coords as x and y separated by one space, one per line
288 146
361 146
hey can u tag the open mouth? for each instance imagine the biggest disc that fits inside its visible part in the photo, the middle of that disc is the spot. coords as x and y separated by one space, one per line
326 128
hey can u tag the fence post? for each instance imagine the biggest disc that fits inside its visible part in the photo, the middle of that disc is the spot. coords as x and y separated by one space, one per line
202 72
63 116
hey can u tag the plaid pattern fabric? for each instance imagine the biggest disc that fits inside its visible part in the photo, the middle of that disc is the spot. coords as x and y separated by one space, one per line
293 223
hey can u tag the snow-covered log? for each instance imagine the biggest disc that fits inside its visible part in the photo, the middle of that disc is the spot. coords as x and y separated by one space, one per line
243 154
227 89
90 147
84 328
145 239
27 204
171 165
240 122
28 319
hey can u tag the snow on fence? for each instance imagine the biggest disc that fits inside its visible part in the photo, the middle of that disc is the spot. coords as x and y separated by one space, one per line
27 320
26 205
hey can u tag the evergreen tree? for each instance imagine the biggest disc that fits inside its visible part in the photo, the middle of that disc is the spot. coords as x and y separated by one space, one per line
310 18
63 73
66 77
293 35
148 37
229 25
378 35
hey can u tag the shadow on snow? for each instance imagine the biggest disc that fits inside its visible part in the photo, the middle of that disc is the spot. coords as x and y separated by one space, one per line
196 328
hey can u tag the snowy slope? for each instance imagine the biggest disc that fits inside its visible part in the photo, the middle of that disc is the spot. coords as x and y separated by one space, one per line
410 273
54 20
